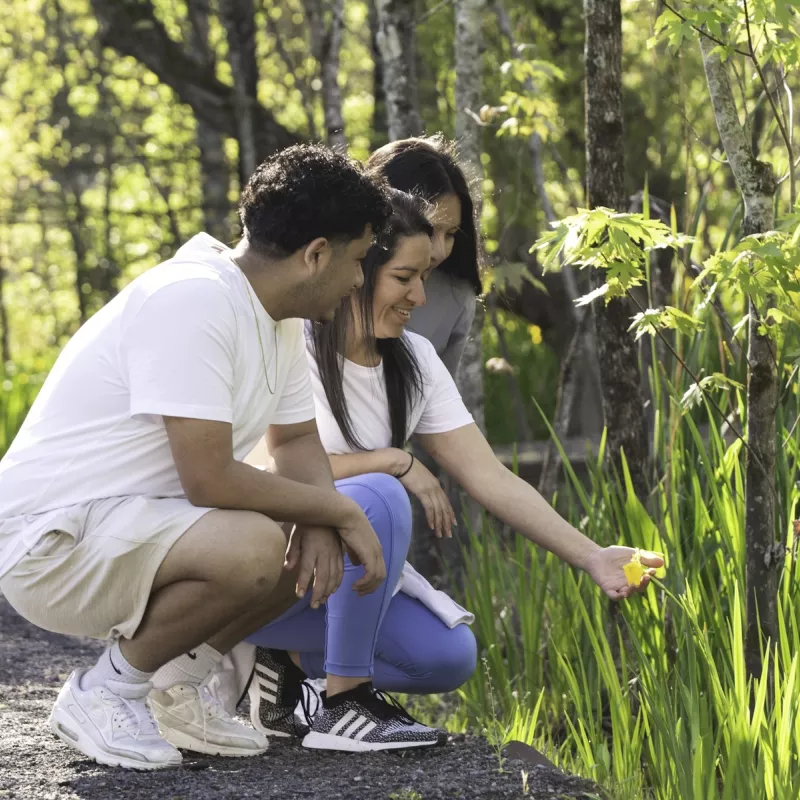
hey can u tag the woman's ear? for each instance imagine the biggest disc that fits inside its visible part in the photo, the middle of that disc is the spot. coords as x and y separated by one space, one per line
317 256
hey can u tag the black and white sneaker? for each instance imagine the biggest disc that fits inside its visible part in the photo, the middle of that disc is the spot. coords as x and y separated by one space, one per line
276 689
364 719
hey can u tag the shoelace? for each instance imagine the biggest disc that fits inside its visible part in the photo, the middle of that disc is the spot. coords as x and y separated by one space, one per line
210 706
303 696
138 719
384 706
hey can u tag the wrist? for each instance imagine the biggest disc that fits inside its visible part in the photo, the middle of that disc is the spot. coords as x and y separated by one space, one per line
586 556
399 461
346 511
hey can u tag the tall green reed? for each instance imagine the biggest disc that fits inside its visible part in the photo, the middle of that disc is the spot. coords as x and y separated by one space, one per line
653 701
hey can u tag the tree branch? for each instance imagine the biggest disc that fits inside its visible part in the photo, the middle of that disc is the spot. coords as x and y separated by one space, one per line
703 32
131 27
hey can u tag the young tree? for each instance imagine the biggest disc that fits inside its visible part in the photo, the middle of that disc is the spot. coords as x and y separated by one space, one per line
757 184
623 406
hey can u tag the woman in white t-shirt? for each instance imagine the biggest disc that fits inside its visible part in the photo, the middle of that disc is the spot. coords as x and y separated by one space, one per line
375 385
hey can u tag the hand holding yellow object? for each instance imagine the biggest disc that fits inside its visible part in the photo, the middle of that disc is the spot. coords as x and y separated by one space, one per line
635 570
622 571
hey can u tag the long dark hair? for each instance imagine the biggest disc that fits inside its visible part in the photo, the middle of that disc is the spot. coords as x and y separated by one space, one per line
427 165
400 367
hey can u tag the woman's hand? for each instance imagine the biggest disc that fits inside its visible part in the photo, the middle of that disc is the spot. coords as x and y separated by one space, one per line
421 482
605 566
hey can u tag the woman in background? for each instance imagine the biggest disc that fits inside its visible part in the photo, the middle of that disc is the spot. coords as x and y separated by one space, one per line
427 166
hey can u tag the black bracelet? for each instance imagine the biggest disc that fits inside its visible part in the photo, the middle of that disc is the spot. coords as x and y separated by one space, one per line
411 464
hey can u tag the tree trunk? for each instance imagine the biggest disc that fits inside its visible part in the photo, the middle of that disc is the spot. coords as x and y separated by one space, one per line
211 142
469 45
396 46
763 554
438 559
380 122
326 45
623 407
238 16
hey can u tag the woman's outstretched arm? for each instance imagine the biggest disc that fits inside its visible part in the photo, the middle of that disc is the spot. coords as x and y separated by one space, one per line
466 455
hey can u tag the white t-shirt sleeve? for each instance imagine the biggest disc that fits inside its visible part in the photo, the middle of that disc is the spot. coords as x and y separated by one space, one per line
443 409
178 352
297 399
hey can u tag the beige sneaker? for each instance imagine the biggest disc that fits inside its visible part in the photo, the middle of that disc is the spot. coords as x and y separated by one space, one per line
111 724
191 717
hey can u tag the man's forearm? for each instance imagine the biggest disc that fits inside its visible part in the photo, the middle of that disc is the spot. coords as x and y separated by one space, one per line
247 488
304 460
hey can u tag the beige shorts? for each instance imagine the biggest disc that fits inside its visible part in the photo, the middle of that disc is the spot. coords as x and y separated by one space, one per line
92 571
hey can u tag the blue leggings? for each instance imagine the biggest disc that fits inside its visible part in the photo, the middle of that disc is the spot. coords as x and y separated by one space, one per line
396 640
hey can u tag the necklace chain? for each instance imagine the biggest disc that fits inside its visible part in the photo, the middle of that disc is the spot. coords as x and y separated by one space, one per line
270 389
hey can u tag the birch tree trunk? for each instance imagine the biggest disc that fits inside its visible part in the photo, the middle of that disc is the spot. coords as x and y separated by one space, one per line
623 406
326 45
763 554
469 44
434 558
396 46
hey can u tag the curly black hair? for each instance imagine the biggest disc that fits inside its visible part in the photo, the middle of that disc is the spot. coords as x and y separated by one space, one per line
309 191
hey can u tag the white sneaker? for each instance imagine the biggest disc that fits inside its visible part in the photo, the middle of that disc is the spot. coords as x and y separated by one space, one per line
191 717
111 724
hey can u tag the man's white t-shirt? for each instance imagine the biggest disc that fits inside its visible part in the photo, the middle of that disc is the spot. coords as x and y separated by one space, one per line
438 409
182 340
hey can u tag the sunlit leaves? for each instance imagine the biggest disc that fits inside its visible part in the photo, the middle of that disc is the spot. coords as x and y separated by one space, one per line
694 394
652 320
764 267
603 239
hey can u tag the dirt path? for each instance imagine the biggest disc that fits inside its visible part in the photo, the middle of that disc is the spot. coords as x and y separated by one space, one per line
34 764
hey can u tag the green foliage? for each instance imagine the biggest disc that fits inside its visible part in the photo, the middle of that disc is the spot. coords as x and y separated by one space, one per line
657 704
766 269
617 243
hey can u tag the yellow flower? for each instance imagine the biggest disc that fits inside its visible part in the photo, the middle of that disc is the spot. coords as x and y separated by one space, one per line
536 334
634 570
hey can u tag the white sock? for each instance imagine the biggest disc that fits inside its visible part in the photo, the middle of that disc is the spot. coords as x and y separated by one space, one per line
192 667
113 666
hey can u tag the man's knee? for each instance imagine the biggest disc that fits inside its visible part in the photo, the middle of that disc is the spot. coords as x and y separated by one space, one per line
242 551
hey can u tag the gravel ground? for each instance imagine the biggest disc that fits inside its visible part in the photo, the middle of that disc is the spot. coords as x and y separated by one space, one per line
34 764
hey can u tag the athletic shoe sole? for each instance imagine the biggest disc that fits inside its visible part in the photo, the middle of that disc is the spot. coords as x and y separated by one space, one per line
326 741
65 728
184 741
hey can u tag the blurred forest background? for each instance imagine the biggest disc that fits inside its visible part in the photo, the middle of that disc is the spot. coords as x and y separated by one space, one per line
127 126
